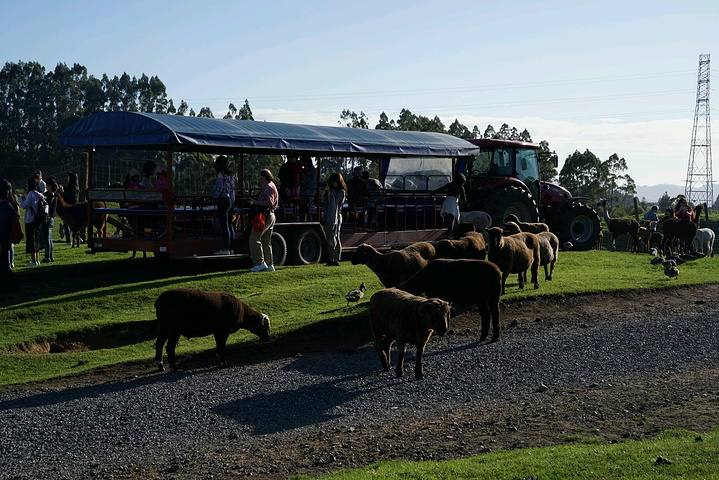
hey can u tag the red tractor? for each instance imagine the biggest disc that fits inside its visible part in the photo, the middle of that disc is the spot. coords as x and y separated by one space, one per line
504 179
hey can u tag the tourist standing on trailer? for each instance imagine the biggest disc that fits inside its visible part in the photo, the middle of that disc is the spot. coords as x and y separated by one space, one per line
224 193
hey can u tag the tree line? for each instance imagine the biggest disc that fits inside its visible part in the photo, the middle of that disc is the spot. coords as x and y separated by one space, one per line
36 105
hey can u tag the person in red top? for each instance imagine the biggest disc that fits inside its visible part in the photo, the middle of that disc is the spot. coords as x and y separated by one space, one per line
265 205
683 211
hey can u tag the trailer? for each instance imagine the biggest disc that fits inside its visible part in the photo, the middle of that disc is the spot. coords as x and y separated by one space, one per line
183 226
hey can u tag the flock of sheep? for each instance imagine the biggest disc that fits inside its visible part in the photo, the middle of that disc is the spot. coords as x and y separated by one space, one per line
399 314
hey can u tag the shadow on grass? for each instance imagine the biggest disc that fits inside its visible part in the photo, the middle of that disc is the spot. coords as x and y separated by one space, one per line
106 337
45 282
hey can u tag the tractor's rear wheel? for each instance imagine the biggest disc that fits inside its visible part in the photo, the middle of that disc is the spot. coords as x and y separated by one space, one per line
511 200
580 225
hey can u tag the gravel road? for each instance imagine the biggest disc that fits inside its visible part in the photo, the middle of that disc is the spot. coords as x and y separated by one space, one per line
578 361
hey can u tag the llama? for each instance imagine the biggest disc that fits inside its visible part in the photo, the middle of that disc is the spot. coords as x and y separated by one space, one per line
619 226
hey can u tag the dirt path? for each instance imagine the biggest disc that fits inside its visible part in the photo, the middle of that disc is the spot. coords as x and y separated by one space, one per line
628 405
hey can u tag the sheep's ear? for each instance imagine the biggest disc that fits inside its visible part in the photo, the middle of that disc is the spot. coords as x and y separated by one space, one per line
421 309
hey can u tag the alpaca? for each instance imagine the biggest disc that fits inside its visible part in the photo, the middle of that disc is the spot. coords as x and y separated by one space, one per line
619 226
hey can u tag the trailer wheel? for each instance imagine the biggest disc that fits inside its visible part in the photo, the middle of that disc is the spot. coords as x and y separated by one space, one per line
279 249
305 247
511 200
580 225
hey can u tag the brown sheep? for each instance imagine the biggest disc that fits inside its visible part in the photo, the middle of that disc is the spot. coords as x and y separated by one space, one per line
515 254
470 245
394 266
75 217
466 282
195 313
548 248
535 227
397 316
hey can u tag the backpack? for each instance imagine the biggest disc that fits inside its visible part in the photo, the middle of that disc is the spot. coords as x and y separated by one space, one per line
16 235
43 210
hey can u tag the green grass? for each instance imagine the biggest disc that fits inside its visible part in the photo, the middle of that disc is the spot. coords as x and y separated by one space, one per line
691 456
109 293
82 294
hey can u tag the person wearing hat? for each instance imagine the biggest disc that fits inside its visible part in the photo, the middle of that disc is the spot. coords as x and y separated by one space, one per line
450 207
652 218
161 182
357 192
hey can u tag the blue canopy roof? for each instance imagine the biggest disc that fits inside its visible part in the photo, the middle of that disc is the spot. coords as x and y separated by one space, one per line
212 135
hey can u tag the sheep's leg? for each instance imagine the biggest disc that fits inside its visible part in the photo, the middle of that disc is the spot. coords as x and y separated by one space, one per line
551 268
419 364
535 274
547 276
220 342
484 313
504 279
494 311
382 345
159 344
401 350
172 340
521 279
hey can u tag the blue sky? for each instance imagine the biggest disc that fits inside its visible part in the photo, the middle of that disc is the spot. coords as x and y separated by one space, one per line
608 76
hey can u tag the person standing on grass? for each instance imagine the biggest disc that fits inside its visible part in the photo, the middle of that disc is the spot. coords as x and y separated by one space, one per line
332 217
263 223
46 228
7 216
31 202
71 195
455 196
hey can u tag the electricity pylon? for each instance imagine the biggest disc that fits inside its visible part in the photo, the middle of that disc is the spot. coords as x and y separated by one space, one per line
699 188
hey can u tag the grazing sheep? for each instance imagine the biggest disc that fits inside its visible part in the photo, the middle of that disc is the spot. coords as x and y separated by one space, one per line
395 266
466 282
75 216
515 254
535 227
479 219
704 241
195 313
470 245
619 226
397 316
548 247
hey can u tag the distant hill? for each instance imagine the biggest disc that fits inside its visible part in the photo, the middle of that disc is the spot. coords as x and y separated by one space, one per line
652 193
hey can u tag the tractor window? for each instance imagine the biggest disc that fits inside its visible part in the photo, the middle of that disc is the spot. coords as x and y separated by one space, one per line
503 162
528 168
